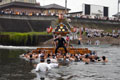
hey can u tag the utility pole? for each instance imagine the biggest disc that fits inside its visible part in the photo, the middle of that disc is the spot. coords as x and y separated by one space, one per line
65 6
118 8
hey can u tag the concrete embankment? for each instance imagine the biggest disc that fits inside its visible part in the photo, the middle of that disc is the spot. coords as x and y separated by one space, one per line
12 23
17 23
106 25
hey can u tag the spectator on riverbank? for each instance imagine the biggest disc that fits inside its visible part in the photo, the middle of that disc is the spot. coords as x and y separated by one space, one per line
89 42
119 31
115 35
113 31
67 40
92 33
97 42
79 41
11 12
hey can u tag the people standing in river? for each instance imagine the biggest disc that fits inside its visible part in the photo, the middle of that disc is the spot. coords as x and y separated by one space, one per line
55 43
52 65
104 59
86 59
89 42
42 66
79 41
68 40
97 42
61 43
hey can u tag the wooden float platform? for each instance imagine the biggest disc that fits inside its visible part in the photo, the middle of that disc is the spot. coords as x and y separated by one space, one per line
70 50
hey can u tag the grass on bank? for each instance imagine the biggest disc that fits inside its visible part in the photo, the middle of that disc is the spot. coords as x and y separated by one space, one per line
19 38
25 33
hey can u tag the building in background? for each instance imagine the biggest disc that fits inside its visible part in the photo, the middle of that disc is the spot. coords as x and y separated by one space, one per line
75 14
21 7
55 9
95 10
91 11
9 1
30 7
117 15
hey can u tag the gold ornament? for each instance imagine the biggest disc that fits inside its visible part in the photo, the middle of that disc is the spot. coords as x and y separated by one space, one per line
59 30
63 29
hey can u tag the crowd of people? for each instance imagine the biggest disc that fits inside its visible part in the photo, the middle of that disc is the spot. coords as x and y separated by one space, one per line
51 60
21 13
90 33
47 61
95 17
10 12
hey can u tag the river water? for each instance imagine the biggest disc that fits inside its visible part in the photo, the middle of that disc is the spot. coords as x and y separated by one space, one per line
14 68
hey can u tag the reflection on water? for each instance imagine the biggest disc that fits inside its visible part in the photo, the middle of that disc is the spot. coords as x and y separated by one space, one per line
14 68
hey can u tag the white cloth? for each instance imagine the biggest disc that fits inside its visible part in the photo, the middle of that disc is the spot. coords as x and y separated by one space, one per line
53 65
97 42
53 60
40 55
43 67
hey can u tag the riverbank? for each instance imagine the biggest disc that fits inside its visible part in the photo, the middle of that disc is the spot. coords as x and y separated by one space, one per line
45 39
103 41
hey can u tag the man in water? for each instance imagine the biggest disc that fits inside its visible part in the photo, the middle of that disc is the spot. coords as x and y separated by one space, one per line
52 65
61 42
42 66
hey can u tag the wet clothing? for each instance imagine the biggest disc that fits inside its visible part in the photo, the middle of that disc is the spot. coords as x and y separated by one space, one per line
31 56
60 41
60 44
53 65
79 43
43 67
59 47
